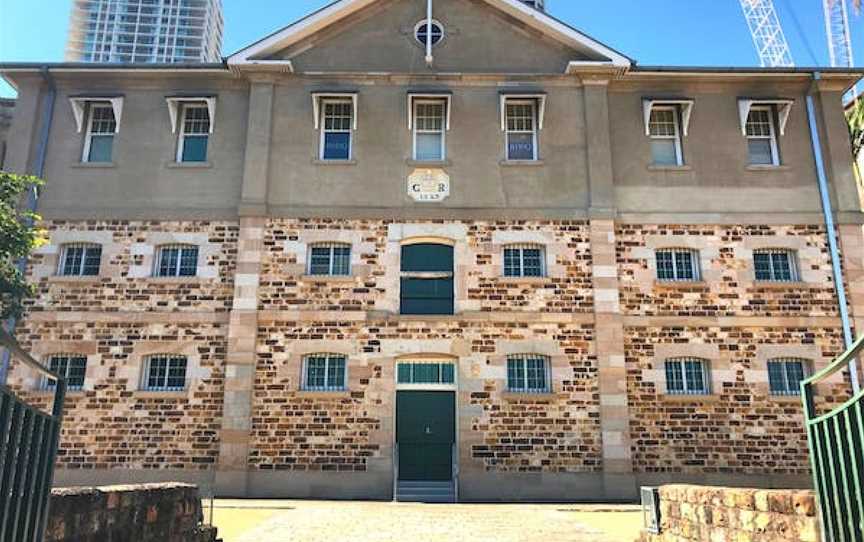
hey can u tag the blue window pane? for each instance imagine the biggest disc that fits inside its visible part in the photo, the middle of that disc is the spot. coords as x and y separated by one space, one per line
762 264
520 147
337 146
511 262
665 266
429 147
760 152
532 262
448 373
101 147
195 148
674 377
663 152
776 378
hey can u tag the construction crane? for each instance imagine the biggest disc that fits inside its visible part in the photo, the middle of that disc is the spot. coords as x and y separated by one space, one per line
839 38
767 32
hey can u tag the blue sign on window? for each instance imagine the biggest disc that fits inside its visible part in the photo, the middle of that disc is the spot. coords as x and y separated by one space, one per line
337 146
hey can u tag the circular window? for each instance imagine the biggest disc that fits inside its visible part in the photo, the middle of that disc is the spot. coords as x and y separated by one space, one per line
423 33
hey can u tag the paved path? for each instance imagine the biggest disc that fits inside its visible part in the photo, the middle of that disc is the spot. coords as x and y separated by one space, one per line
316 521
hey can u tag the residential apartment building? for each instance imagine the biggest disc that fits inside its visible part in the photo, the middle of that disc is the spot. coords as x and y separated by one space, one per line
513 265
160 31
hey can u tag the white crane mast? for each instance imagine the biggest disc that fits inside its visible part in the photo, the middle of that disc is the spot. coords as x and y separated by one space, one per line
767 33
839 38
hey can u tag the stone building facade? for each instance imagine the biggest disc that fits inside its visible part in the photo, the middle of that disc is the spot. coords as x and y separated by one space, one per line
525 268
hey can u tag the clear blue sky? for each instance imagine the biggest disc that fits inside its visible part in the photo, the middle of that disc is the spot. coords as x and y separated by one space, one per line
673 32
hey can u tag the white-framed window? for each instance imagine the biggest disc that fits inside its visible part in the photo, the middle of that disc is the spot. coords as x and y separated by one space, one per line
678 264
176 261
330 259
524 260
687 376
337 116
430 119
72 367
164 372
762 149
194 133
80 260
528 373
776 265
521 129
101 129
325 372
786 374
664 128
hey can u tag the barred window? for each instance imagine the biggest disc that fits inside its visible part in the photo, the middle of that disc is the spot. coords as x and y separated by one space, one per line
687 376
785 375
80 260
177 261
73 368
194 133
526 260
324 372
776 265
528 373
330 259
678 264
425 373
164 372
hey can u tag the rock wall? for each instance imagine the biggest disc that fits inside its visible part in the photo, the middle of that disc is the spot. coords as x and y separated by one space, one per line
721 514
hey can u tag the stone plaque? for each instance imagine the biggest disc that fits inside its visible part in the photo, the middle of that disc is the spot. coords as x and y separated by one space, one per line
429 185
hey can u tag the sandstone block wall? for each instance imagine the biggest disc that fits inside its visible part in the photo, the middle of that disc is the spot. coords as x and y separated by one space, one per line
722 514
144 513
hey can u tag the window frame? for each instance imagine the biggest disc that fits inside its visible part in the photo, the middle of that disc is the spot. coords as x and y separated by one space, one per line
48 383
82 265
695 264
182 134
525 388
444 103
676 138
772 137
429 31
323 102
792 258
178 267
686 388
788 390
147 367
521 248
331 246
328 358
532 102
92 107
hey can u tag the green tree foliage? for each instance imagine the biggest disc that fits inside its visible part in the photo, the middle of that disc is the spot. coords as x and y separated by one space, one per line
18 238
856 130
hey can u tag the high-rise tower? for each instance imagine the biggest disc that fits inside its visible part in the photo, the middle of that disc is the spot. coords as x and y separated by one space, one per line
145 31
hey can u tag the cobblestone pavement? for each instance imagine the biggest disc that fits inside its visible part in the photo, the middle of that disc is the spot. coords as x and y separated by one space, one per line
315 521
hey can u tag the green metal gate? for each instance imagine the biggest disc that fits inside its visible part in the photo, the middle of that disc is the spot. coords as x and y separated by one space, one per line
28 447
836 442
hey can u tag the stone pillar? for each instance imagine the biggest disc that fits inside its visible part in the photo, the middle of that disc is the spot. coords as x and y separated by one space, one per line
852 250
232 468
837 151
618 478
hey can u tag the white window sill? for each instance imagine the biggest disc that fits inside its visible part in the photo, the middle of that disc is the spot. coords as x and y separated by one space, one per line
545 397
522 163
428 163
61 279
188 165
310 394
319 162
175 280
796 399
779 285
680 283
147 394
691 398
753 167
93 165
328 278
526 280
657 167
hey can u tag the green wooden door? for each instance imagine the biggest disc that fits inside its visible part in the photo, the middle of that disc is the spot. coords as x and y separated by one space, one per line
425 431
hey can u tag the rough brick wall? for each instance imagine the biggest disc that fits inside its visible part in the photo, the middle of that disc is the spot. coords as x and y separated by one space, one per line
728 514
144 513
728 286
741 427
126 281
113 424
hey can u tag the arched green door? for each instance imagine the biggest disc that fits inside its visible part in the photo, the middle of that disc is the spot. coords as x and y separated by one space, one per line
425 432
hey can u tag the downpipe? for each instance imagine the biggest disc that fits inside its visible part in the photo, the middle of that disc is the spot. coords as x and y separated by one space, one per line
33 194
828 215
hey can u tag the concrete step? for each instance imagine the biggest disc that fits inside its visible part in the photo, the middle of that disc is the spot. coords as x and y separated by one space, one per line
431 492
